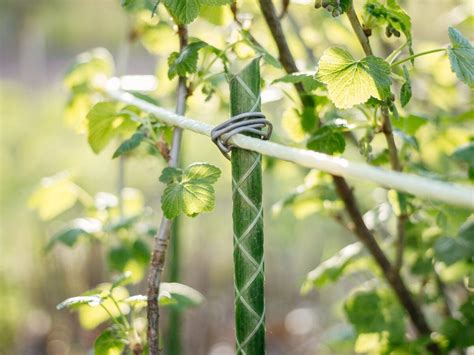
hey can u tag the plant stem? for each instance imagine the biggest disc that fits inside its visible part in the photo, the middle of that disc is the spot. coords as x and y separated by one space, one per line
388 133
392 273
401 61
120 183
247 216
344 190
284 53
359 31
173 339
122 316
392 277
162 237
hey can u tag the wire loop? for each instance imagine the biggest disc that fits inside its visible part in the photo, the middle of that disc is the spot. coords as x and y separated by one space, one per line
248 122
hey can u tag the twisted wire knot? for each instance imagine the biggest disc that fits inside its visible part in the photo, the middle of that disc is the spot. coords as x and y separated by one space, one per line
249 122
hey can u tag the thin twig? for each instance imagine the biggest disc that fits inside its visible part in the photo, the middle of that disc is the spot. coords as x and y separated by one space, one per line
443 291
393 277
359 31
345 192
388 133
162 237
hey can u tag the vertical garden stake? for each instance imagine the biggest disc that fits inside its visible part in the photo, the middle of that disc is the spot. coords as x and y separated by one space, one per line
248 222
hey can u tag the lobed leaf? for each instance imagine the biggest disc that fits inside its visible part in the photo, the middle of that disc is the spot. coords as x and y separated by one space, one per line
307 79
405 90
461 57
185 62
409 124
191 191
327 139
333 268
183 11
130 144
392 14
465 154
105 121
352 82
266 56
186 11
376 312
68 237
109 342
184 296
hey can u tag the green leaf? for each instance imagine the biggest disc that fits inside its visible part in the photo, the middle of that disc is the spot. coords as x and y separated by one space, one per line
92 300
409 124
185 296
217 15
467 309
327 139
333 268
202 172
465 154
185 62
307 79
130 144
316 195
450 250
308 119
183 11
460 335
461 57
467 230
391 14
352 82
105 121
91 316
68 237
138 5
405 90
186 11
216 2
266 56
55 195
121 223
165 299
88 66
141 252
109 342
118 257
169 175
122 280
376 312
193 193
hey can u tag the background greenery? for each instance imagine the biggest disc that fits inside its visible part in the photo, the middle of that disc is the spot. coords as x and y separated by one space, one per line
38 42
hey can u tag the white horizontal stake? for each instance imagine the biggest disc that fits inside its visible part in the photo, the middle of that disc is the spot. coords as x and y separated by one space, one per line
416 185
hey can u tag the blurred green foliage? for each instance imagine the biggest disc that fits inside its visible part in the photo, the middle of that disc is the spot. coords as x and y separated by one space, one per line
434 131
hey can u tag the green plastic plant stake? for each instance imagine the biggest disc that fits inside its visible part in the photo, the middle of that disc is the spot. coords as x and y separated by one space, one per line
248 222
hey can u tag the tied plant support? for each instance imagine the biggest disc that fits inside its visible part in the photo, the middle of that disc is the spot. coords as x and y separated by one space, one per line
247 217
426 188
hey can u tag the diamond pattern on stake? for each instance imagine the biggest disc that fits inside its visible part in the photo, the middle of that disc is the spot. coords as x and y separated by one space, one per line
258 265
251 274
